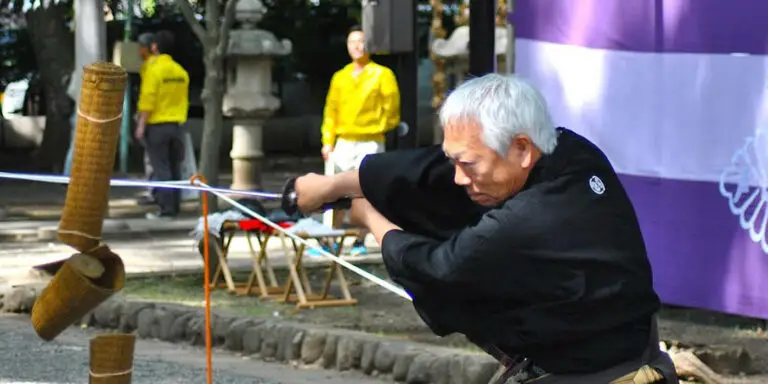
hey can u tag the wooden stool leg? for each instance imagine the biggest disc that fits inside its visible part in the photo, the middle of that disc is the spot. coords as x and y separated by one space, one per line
304 278
324 301
217 273
342 283
338 271
256 275
223 253
294 281
331 270
268 264
290 260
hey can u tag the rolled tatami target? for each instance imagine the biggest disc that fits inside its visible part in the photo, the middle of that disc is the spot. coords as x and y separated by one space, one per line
82 283
99 112
112 358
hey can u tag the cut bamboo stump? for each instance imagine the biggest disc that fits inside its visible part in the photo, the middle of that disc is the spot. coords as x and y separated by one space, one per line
112 359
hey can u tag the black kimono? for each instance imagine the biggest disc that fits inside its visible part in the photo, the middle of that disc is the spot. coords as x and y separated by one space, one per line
557 273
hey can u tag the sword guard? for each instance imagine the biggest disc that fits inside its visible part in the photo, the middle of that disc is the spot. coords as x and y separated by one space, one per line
290 200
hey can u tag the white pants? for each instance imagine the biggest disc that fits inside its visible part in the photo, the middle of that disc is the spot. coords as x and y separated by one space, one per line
347 155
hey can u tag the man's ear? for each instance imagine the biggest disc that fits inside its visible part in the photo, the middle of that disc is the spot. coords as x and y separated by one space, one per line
523 150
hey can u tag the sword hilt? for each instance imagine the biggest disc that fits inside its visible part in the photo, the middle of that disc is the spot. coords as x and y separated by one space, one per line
289 202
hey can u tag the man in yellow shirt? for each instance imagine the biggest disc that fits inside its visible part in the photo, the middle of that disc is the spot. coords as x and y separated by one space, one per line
146 41
362 105
163 105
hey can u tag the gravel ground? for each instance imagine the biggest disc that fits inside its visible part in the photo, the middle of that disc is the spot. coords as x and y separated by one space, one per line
381 312
25 358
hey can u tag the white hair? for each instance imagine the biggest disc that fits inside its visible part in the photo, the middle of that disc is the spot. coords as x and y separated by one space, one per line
504 106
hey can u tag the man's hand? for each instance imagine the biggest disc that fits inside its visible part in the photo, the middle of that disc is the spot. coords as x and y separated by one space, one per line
326 151
363 214
313 191
141 126
360 212
139 133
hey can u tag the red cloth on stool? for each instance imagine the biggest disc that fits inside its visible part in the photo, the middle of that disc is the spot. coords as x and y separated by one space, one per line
258 225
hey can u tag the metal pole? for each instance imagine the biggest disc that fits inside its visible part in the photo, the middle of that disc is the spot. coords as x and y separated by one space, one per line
409 84
125 130
510 38
482 36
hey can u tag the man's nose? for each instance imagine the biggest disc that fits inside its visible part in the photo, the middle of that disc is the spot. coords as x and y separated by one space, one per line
460 178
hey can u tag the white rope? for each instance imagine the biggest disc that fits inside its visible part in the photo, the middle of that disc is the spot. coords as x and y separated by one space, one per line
123 373
98 121
176 184
222 193
383 283
78 233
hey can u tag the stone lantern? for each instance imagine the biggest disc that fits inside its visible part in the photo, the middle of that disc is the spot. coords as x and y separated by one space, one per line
248 97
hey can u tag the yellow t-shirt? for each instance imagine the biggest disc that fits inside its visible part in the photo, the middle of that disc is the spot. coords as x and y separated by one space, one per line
164 91
361 108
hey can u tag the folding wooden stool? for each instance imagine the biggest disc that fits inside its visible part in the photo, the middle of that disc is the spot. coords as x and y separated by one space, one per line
263 233
298 288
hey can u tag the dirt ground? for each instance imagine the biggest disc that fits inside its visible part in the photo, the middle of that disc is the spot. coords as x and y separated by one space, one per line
381 312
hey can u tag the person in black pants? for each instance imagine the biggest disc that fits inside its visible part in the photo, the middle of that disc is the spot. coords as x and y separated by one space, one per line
163 106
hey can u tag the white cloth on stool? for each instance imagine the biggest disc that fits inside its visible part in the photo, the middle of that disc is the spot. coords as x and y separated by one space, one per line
215 222
314 228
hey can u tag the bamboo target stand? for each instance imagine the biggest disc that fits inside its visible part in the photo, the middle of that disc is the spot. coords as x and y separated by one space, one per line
92 275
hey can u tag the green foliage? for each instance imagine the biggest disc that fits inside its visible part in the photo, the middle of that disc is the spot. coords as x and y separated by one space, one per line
315 31
148 7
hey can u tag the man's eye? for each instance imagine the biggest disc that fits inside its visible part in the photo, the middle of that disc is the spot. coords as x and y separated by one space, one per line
467 164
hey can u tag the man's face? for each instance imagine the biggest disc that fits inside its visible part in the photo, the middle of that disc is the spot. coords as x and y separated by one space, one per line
144 52
356 45
488 177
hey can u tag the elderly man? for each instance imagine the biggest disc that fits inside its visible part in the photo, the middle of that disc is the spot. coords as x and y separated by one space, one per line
518 235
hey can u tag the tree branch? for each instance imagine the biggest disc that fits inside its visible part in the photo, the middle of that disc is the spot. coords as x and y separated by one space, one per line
189 16
226 26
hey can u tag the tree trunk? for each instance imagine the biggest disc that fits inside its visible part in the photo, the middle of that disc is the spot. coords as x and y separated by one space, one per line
213 94
53 45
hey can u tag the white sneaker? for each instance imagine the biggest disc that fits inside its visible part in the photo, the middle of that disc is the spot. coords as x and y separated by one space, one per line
158 216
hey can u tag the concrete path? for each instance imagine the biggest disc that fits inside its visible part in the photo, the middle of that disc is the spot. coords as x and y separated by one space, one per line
113 229
31 210
147 254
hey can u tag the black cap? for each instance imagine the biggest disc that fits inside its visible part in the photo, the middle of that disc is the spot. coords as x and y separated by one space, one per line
146 39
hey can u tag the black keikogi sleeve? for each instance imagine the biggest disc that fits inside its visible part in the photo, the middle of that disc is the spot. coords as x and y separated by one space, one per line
440 275
414 189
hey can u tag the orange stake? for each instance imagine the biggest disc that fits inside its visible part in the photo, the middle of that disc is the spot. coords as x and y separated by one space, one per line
206 274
